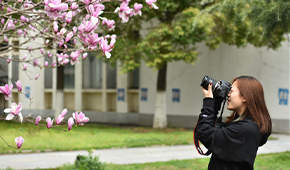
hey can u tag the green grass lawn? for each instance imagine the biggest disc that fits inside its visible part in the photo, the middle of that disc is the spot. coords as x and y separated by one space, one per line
275 161
89 136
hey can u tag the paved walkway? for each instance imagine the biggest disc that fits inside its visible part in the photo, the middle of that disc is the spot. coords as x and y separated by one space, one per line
124 156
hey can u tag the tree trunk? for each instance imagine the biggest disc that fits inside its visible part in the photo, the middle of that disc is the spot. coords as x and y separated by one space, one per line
160 116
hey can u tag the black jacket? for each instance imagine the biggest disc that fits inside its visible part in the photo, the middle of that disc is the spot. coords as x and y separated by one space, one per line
234 146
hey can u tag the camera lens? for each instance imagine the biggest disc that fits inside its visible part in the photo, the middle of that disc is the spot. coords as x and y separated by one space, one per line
205 82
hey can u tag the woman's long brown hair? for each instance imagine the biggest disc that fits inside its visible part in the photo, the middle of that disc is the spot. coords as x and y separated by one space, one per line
251 89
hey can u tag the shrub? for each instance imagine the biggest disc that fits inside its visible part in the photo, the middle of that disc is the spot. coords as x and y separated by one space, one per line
88 162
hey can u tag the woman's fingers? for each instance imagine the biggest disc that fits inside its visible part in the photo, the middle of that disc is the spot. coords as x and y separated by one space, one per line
207 93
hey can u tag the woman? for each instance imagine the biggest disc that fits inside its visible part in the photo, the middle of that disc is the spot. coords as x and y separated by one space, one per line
234 144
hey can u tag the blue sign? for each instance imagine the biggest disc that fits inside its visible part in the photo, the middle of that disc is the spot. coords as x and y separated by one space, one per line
283 96
175 95
27 92
121 94
144 93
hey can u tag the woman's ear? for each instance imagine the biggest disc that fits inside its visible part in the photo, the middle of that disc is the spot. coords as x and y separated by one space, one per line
244 100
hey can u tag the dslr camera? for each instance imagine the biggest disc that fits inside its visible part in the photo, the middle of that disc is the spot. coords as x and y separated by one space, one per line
220 88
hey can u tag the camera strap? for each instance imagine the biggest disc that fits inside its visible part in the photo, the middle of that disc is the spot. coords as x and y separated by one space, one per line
195 139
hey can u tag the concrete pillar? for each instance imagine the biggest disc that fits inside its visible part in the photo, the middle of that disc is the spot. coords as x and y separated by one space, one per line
289 81
104 87
35 88
10 75
122 106
78 86
54 80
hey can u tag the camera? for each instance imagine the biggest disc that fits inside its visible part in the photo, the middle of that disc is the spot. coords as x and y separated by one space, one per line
219 88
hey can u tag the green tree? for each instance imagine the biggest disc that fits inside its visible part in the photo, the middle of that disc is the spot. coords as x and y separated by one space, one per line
183 24
173 39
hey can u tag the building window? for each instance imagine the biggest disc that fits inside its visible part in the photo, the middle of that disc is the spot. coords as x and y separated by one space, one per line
133 79
92 72
3 72
48 74
111 77
69 76
15 69
15 63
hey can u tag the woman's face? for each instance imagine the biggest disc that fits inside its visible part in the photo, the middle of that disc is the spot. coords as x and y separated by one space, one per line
235 101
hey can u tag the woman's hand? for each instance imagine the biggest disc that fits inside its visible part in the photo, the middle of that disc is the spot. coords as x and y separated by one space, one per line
208 93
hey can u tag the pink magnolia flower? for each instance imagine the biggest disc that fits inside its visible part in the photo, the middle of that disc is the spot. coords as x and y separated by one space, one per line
92 40
5 38
37 120
55 26
62 31
47 41
126 1
41 50
89 26
137 9
75 29
70 123
74 5
63 112
69 36
36 77
8 60
22 18
80 118
53 64
87 2
99 5
28 4
85 55
24 57
109 23
113 41
29 48
124 12
10 24
2 21
95 12
35 62
6 90
19 141
18 85
74 57
54 7
49 54
25 66
106 48
19 32
45 64
14 111
62 58
49 122
151 3
69 17
59 119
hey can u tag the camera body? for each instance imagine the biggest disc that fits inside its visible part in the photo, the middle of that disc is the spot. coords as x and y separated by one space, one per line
219 88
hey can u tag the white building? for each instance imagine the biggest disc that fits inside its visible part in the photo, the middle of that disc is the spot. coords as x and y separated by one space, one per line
106 96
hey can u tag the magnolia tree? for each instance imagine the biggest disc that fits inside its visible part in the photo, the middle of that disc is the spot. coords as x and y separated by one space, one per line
69 26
